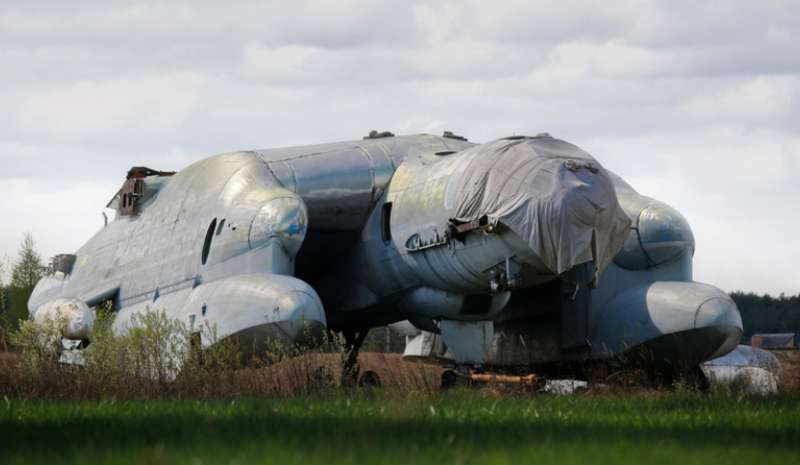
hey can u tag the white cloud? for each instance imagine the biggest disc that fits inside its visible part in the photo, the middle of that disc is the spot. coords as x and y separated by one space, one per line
753 100
88 109
693 103
284 61
736 187
618 59
551 22
79 206
320 22
437 21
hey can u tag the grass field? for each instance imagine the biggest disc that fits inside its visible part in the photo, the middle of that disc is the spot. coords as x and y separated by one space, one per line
382 427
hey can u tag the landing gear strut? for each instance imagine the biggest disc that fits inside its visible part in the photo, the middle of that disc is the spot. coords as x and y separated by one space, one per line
350 367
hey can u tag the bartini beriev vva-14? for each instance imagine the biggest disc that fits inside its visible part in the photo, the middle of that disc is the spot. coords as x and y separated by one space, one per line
523 251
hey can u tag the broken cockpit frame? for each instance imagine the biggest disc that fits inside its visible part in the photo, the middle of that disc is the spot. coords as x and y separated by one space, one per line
134 189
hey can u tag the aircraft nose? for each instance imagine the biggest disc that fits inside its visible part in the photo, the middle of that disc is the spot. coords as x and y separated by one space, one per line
284 218
664 233
719 322
660 235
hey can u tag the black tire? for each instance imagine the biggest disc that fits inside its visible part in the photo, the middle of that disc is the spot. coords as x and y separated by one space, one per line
369 379
449 379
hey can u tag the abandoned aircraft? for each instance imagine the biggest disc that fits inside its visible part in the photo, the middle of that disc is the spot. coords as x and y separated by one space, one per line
523 250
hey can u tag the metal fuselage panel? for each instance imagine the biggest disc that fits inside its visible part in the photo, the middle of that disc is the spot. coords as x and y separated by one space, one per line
158 248
221 240
402 265
157 251
340 183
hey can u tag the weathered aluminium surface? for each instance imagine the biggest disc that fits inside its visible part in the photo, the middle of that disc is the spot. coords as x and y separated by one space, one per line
523 250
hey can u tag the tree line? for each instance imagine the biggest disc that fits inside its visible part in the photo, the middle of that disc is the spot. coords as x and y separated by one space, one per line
766 314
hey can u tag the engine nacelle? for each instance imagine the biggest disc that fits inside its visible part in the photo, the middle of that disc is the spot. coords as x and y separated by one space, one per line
524 208
72 315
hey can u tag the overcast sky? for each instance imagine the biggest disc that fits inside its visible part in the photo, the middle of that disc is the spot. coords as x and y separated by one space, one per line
694 103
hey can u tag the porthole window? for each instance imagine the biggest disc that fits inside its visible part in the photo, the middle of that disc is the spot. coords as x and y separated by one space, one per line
207 243
386 215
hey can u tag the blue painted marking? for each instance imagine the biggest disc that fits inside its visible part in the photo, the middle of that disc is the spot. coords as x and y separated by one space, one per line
295 229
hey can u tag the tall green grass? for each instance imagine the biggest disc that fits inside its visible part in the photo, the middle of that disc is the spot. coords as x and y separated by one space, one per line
154 394
458 427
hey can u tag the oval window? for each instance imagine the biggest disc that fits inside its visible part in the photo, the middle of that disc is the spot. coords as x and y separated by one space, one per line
207 243
386 230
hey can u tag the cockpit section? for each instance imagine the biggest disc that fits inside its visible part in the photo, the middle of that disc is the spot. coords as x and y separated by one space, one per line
140 184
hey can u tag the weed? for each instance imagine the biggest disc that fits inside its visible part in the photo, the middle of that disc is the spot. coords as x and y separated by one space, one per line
155 356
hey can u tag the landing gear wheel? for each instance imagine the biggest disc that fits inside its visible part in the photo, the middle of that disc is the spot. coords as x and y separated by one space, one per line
449 379
369 379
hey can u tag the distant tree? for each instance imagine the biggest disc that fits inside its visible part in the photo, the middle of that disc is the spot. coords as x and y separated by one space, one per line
25 273
27 268
3 306
767 314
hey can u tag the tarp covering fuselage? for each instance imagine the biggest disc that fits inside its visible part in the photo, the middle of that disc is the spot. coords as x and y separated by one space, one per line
555 196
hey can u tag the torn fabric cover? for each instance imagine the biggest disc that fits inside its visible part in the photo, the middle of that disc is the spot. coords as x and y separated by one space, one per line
552 194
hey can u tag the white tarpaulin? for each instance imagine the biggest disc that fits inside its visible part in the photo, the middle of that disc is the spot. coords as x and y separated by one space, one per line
552 194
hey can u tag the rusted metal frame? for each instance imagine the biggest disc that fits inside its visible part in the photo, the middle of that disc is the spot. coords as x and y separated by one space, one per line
443 241
529 380
145 172
450 135
378 135
453 231
455 228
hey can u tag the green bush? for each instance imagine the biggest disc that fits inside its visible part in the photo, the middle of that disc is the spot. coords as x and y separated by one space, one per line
157 356
39 343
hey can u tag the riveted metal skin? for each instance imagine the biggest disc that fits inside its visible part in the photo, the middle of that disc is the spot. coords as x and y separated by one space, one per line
219 240
285 243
